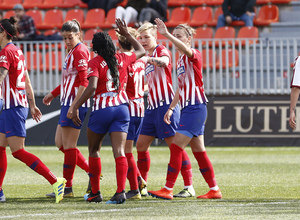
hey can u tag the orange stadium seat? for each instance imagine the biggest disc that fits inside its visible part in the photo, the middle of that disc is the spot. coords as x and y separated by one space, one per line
262 2
112 34
217 13
267 15
176 3
9 13
209 57
110 19
94 18
179 15
123 3
224 33
203 33
51 4
53 56
280 1
247 32
36 16
53 19
77 14
69 3
201 16
9 4
196 2
32 54
51 32
162 37
90 33
214 2
228 55
30 4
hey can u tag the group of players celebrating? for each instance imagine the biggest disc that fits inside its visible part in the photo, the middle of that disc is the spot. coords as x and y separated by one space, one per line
116 81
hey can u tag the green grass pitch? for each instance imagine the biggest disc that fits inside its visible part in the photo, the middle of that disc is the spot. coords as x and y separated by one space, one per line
256 183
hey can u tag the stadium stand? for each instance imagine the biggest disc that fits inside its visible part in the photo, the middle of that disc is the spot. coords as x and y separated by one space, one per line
51 4
227 33
77 14
203 33
9 4
227 60
9 13
88 36
179 15
247 32
30 4
110 19
31 60
209 57
53 19
36 16
201 16
217 13
267 15
94 18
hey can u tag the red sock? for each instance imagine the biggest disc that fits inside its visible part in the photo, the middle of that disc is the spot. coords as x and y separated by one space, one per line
174 165
62 149
132 172
36 164
69 165
206 168
94 173
144 163
186 169
3 165
82 162
121 171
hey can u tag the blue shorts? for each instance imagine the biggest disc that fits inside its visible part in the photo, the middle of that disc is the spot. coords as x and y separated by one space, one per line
192 120
154 125
134 129
64 121
12 121
110 119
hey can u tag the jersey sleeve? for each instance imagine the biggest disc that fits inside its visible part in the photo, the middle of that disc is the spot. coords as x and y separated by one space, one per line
56 91
128 58
162 51
81 59
93 68
4 59
197 56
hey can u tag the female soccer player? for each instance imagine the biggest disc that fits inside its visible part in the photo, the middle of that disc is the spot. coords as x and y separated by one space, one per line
135 93
73 83
190 94
107 74
160 95
17 93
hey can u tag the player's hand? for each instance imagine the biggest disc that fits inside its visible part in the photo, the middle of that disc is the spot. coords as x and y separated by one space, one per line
168 116
48 99
75 117
70 112
161 27
228 19
122 27
36 114
292 121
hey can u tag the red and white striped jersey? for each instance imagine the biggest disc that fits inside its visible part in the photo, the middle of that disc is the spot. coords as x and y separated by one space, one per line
296 73
106 95
190 80
135 88
159 81
13 85
74 74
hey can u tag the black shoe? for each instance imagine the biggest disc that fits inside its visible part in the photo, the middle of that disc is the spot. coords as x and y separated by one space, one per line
93 197
118 198
133 194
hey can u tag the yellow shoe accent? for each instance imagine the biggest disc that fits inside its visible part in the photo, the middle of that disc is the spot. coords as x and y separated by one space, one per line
59 188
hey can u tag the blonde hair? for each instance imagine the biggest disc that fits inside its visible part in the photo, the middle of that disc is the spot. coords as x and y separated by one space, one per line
189 31
148 26
133 32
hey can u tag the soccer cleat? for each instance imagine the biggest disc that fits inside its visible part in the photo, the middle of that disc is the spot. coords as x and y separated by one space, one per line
133 194
91 197
163 193
142 186
89 188
212 194
118 198
67 193
59 188
185 193
2 196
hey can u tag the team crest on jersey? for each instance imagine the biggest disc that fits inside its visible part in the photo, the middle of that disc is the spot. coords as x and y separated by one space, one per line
89 71
131 74
149 69
3 59
180 67
82 62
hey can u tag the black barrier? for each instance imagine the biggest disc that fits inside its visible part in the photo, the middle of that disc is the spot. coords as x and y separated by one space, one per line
231 121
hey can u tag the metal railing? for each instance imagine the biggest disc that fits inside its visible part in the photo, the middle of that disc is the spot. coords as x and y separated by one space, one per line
230 66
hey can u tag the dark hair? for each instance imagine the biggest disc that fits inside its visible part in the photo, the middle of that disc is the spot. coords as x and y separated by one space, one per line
126 45
72 26
104 46
9 26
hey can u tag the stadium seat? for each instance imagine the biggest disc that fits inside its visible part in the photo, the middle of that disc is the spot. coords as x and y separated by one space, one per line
54 64
31 4
123 3
214 2
51 4
90 33
179 15
224 33
228 55
209 57
36 16
69 4
176 3
162 37
196 2
110 19
9 13
247 32
217 13
51 32
94 18
81 4
262 2
203 33
9 4
31 55
267 15
112 34
77 14
53 19
201 16
280 1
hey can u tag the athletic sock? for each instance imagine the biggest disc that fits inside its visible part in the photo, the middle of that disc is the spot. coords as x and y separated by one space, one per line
3 165
121 172
94 173
174 165
206 168
69 165
186 169
143 163
36 164
132 172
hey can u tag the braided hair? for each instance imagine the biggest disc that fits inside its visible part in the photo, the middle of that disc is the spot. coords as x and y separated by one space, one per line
104 46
